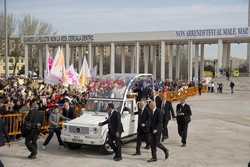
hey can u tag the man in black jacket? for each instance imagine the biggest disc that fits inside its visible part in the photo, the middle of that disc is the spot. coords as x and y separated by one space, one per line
167 110
115 130
232 86
142 90
36 118
3 133
183 112
143 125
156 130
200 87
68 111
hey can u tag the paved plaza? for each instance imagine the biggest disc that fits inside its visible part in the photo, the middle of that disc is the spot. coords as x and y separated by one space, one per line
218 137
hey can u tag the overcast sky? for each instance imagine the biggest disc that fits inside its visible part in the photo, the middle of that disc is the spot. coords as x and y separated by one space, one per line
101 16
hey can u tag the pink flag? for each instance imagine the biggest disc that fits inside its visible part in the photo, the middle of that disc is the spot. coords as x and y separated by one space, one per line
72 76
50 62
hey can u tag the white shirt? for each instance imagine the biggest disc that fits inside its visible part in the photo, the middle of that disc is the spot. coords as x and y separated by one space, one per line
154 110
143 109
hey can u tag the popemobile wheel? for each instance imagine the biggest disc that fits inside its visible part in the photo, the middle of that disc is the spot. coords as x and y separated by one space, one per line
105 148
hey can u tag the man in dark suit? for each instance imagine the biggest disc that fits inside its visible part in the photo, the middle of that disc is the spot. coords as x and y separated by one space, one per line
68 111
156 130
167 110
115 131
142 90
183 112
36 118
156 98
4 134
200 86
143 125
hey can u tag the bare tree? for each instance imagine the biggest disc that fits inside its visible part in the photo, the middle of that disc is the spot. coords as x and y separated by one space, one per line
11 23
29 25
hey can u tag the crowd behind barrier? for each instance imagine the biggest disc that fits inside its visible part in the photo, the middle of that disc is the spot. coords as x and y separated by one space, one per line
15 121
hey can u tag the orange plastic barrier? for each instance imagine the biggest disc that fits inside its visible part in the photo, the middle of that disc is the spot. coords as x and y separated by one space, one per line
175 95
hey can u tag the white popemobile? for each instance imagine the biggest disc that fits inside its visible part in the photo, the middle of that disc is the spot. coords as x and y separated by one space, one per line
84 130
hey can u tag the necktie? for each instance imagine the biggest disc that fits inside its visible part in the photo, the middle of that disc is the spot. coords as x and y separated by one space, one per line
109 120
162 107
142 112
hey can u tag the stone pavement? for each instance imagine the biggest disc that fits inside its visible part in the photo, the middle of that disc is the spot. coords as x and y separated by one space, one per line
219 136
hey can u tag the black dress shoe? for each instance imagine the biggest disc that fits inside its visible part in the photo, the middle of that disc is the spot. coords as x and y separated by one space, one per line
147 147
32 157
114 157
137 153
166 154
152 160
183 145
118 159
162 140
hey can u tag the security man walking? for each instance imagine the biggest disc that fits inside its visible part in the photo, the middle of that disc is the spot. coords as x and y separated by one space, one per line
156 130
115 130
36 118
168 111
143 125
183 112
4 135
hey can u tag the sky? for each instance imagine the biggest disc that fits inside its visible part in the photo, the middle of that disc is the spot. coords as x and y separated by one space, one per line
107 16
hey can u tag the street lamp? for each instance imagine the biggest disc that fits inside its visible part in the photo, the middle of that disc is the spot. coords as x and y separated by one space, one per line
6 42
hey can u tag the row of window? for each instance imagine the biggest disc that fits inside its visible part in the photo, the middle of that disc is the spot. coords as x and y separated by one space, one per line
11 68
11 60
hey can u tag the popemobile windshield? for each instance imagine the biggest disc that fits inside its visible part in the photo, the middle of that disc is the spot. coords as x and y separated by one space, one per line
112 88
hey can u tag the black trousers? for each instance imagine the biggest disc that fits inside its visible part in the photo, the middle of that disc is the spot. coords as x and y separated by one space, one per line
51 133
1 164
232 90
139 138
155 142
115 144
200 91
31 141
182 130
165 128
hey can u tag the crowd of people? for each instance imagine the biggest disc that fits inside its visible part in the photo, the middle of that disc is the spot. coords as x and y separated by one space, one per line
29 96
20 95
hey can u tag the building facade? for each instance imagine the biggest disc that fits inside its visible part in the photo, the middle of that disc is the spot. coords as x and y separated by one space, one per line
141 52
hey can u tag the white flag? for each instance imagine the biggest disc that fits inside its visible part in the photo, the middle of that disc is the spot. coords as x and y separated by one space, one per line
58 70
84 73
72 76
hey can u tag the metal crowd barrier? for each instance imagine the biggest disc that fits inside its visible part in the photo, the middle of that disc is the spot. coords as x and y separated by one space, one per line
175 95
14 122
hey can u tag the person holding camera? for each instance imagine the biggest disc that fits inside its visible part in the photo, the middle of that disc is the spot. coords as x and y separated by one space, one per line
183 112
